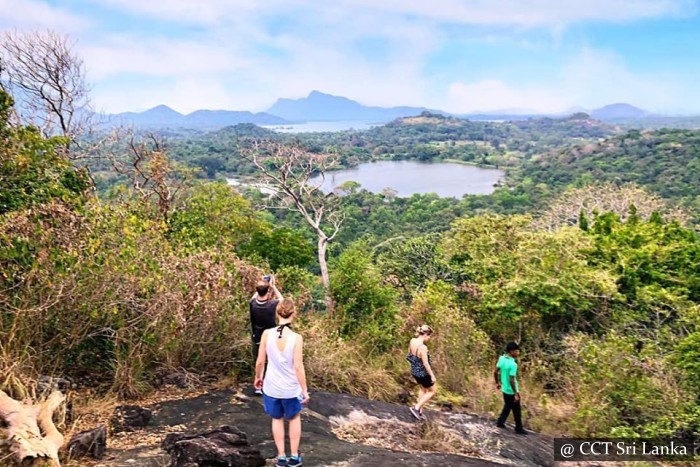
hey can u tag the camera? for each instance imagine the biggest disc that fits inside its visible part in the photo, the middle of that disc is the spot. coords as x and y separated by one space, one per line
267 278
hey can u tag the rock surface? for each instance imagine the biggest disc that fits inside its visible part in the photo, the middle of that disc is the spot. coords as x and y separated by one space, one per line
130 418
225 446
89 443
329 412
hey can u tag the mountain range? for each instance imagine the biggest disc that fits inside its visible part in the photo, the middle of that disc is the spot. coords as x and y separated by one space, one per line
318 106
163 116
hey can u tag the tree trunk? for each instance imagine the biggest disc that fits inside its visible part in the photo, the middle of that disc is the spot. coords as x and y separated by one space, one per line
322 245
24 425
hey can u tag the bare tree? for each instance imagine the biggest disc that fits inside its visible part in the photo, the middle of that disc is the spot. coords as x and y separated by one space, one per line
152 175
47 79
287 170
606 197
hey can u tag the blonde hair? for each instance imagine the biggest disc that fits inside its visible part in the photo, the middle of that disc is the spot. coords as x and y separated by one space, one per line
424 330
285 309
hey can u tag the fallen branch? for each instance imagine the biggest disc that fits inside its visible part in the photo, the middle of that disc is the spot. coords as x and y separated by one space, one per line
32 437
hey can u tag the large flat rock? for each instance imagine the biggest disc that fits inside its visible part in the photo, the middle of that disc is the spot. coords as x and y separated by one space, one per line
320 446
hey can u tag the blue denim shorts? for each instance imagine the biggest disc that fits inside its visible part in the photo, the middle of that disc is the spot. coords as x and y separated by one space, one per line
281 408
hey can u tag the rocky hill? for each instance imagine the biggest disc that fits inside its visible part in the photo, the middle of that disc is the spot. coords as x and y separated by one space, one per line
343 430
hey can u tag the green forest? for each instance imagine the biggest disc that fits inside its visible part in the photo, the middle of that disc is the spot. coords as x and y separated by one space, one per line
123 268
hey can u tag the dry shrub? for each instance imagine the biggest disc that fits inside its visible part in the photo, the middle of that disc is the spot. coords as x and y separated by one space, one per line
617 390
334 364
104 297
393 434
460 351
544 412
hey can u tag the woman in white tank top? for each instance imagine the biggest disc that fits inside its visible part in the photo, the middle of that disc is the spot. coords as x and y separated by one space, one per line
284 386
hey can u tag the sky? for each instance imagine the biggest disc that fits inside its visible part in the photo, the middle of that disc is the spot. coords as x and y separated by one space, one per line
459 56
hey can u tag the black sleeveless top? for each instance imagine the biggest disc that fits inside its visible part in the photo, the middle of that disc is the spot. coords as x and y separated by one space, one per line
417 367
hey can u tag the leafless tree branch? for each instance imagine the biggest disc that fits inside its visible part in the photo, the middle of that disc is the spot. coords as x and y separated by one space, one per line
288 170
47 79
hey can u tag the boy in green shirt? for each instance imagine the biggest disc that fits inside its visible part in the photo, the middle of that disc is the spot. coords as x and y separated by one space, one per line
505 374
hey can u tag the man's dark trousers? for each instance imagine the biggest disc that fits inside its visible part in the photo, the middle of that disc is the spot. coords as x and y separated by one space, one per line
509 403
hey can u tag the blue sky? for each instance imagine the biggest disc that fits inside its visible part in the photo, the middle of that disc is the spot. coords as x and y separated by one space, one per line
455 55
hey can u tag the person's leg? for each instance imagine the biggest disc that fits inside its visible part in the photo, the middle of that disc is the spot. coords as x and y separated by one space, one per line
278 435
507 405
421 393
427 395
517 415
295 434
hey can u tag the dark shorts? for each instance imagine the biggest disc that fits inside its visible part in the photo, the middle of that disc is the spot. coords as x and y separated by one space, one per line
281 408
424 381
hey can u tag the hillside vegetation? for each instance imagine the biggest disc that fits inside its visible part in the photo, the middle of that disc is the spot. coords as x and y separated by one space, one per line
118 292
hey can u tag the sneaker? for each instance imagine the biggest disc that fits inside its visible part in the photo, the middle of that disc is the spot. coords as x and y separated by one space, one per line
521 432
415 413
282 462
500 425
294 460
258 392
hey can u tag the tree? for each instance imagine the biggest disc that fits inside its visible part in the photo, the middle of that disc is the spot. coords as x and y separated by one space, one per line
287 170
606 197
365 304
31 169
152 174
48 80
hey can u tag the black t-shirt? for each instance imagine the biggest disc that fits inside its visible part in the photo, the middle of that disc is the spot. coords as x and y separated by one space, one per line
262 316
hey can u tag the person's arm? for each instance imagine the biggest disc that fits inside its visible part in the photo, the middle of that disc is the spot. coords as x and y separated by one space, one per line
497 377
275 290
513 374
260 362
423 354
300 370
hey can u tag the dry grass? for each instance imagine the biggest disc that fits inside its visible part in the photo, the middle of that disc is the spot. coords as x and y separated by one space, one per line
333 364
393 434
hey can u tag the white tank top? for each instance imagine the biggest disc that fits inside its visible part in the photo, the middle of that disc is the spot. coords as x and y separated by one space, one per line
280 378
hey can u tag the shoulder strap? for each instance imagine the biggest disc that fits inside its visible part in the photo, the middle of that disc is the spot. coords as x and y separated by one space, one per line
415 352
281 327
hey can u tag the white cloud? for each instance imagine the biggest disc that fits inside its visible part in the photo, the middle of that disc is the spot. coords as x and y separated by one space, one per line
159 56
242 54
247 67
598 78
525 13
487 95
533 13
591 79
31 14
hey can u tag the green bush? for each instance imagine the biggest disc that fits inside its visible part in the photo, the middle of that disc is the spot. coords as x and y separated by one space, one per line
364 304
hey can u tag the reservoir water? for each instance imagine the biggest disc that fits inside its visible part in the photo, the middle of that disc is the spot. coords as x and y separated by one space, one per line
408 177
332 126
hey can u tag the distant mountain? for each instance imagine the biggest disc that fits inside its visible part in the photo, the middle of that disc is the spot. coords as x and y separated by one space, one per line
163 116
615 112
318 106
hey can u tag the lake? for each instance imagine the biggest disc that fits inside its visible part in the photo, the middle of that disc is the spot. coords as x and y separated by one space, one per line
332 126
409 177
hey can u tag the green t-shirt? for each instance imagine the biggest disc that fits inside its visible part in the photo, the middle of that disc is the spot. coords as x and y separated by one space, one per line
507 366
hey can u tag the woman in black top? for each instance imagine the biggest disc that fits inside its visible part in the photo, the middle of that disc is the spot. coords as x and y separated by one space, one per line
421 369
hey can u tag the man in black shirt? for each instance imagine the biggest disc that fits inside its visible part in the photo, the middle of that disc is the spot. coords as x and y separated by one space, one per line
262 310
